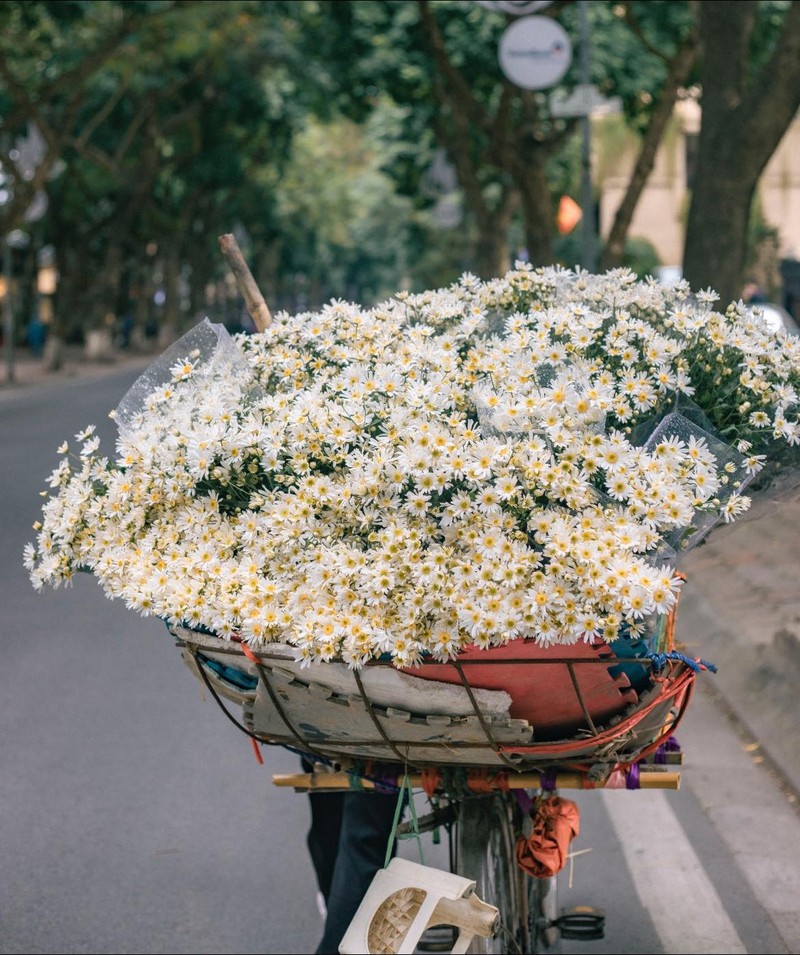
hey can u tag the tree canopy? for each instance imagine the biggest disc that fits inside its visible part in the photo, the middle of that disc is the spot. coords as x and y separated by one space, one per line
355 147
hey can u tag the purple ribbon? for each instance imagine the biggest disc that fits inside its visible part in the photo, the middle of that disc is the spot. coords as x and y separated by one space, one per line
632 777
549 779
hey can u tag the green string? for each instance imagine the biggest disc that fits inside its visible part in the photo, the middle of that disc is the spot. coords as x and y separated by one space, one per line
354 781
405 792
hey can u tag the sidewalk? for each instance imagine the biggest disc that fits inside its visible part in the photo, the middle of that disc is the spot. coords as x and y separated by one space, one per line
740 606
741 611
30 371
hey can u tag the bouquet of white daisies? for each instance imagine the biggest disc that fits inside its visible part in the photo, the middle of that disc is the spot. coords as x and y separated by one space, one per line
522 458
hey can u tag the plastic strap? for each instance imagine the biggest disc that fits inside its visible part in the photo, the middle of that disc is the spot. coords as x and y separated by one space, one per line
406 792
524 801
549 779
632 777
385 784
670 745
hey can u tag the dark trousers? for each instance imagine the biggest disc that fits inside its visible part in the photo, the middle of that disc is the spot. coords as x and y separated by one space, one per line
347 840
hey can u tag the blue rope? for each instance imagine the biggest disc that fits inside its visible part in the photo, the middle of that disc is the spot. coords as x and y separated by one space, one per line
659 661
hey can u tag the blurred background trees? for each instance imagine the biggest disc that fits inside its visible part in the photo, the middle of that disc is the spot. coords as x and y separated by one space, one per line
356 148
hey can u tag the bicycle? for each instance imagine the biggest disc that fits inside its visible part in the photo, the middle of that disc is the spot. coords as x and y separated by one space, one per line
483 829
481 767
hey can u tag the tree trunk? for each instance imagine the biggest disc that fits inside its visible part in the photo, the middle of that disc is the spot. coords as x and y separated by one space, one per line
491 251
171 317
268 273
69 307
491 256
53 357
143 297
678 71
716 240
100 339
537 214
742 123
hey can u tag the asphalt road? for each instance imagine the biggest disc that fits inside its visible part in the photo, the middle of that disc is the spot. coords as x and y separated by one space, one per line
135 818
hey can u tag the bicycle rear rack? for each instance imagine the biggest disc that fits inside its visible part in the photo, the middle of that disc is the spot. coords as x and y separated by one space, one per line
286 708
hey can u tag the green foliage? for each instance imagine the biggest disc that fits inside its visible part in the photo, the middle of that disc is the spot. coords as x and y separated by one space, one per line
346 229
308 126
630 45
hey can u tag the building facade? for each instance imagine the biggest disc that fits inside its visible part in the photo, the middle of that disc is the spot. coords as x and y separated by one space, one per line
660 216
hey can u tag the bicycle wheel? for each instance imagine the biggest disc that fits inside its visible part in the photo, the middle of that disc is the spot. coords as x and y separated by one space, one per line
543 932
485 837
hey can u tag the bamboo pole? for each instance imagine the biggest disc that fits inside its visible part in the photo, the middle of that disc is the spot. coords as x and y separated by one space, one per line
245 282
320 782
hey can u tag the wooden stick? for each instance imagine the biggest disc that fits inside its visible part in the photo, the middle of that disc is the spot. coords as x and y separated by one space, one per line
245 282
531 780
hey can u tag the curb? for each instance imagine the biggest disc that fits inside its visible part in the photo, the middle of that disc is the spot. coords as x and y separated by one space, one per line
757 682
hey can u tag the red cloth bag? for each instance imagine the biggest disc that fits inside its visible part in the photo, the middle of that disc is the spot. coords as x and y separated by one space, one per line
556 822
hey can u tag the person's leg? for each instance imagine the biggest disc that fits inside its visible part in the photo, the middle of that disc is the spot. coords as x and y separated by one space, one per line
323 837
323 834
367 823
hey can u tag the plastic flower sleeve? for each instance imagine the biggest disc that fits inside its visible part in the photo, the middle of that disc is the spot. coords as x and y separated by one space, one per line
206 352
676 430
663 556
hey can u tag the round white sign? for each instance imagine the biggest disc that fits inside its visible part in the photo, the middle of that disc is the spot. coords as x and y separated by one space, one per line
516 7
535 52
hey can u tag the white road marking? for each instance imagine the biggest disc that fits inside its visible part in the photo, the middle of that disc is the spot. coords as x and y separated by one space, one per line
750 813
670 880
